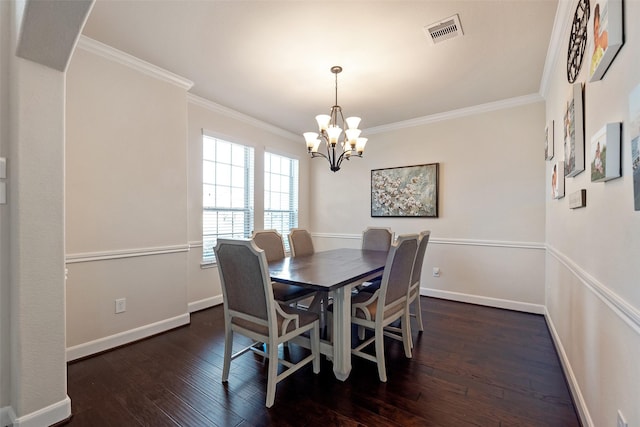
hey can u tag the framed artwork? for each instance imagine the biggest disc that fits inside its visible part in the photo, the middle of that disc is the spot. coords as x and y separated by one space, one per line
634 131
605 153
407 191
557 180
574 133
548 141
606 35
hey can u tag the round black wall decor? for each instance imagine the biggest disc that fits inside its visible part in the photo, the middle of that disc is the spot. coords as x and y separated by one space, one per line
577 40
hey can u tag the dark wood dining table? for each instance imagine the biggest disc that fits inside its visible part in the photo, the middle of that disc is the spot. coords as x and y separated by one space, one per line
336 271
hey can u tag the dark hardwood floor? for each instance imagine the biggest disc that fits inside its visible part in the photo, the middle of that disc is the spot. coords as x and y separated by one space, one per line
472 366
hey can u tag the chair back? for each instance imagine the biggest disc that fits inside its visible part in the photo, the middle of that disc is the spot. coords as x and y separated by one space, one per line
270 241
397 271
300 242
422 247
377 238
245 279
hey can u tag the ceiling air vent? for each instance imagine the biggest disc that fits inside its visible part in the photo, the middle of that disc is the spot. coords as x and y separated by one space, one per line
444 30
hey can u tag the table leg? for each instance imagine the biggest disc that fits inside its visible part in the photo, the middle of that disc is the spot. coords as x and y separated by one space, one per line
342 332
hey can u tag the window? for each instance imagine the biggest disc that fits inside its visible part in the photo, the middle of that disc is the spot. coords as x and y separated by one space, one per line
227 193
280 194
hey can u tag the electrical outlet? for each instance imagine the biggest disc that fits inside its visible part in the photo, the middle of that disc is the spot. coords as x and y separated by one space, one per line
121 305
436 271
621 421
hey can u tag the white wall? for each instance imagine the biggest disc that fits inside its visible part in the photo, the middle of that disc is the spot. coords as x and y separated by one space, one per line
126 202
5 366
592 295
488 238
134 196
215 120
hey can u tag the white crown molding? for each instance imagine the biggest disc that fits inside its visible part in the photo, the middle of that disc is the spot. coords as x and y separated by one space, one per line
576 393
124 253
629 314
560 28
126 337
236 115
50 415
108 52
454 114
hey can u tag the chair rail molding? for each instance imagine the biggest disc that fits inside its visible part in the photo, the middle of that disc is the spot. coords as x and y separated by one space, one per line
629 314
125 253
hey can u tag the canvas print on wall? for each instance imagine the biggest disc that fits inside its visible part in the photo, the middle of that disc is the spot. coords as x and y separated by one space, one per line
574 133
548 142
606 35
634 130
557 181
408 191
605 153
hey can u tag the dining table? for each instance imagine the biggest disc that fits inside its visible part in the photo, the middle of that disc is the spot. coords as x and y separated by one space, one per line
337 272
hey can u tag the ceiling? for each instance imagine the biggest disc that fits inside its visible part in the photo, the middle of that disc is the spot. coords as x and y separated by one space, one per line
271 60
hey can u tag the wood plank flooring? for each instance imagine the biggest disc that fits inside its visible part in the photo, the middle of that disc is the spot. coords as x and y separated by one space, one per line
472 366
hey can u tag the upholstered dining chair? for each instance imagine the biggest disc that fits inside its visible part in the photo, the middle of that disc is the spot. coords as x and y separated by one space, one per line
250 310
300 242
376 239
387 304
270 241
413 300
414 289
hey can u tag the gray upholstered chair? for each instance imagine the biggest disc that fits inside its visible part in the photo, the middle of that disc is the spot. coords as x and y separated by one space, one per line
414 289
270 241
250 310
388 304
377 238
300 242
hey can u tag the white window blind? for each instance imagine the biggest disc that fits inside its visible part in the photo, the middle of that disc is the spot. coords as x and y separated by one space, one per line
280 194
227 192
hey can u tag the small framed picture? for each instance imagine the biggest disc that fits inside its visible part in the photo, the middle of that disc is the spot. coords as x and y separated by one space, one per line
574 133
557 180
606 34
548 141
605 153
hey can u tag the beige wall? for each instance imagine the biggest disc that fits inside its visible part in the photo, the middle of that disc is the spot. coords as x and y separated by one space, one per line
126 201
592 296
134 197
5 366
490 227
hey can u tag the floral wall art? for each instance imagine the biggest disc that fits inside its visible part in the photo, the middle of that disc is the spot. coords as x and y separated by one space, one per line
408 191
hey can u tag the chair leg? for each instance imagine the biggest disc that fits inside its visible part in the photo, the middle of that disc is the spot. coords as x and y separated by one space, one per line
382 372
315 348
418 312
272 370
406 334
228 348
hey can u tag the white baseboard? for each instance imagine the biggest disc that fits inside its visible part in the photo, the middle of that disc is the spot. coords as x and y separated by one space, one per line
578 398
205 303
47 416
486 301
106 343
6 415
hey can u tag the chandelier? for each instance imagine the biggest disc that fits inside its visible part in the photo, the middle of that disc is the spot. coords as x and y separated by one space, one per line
338 146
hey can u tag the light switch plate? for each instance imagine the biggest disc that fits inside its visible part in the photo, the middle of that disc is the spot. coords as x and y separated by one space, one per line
3 193
3 167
